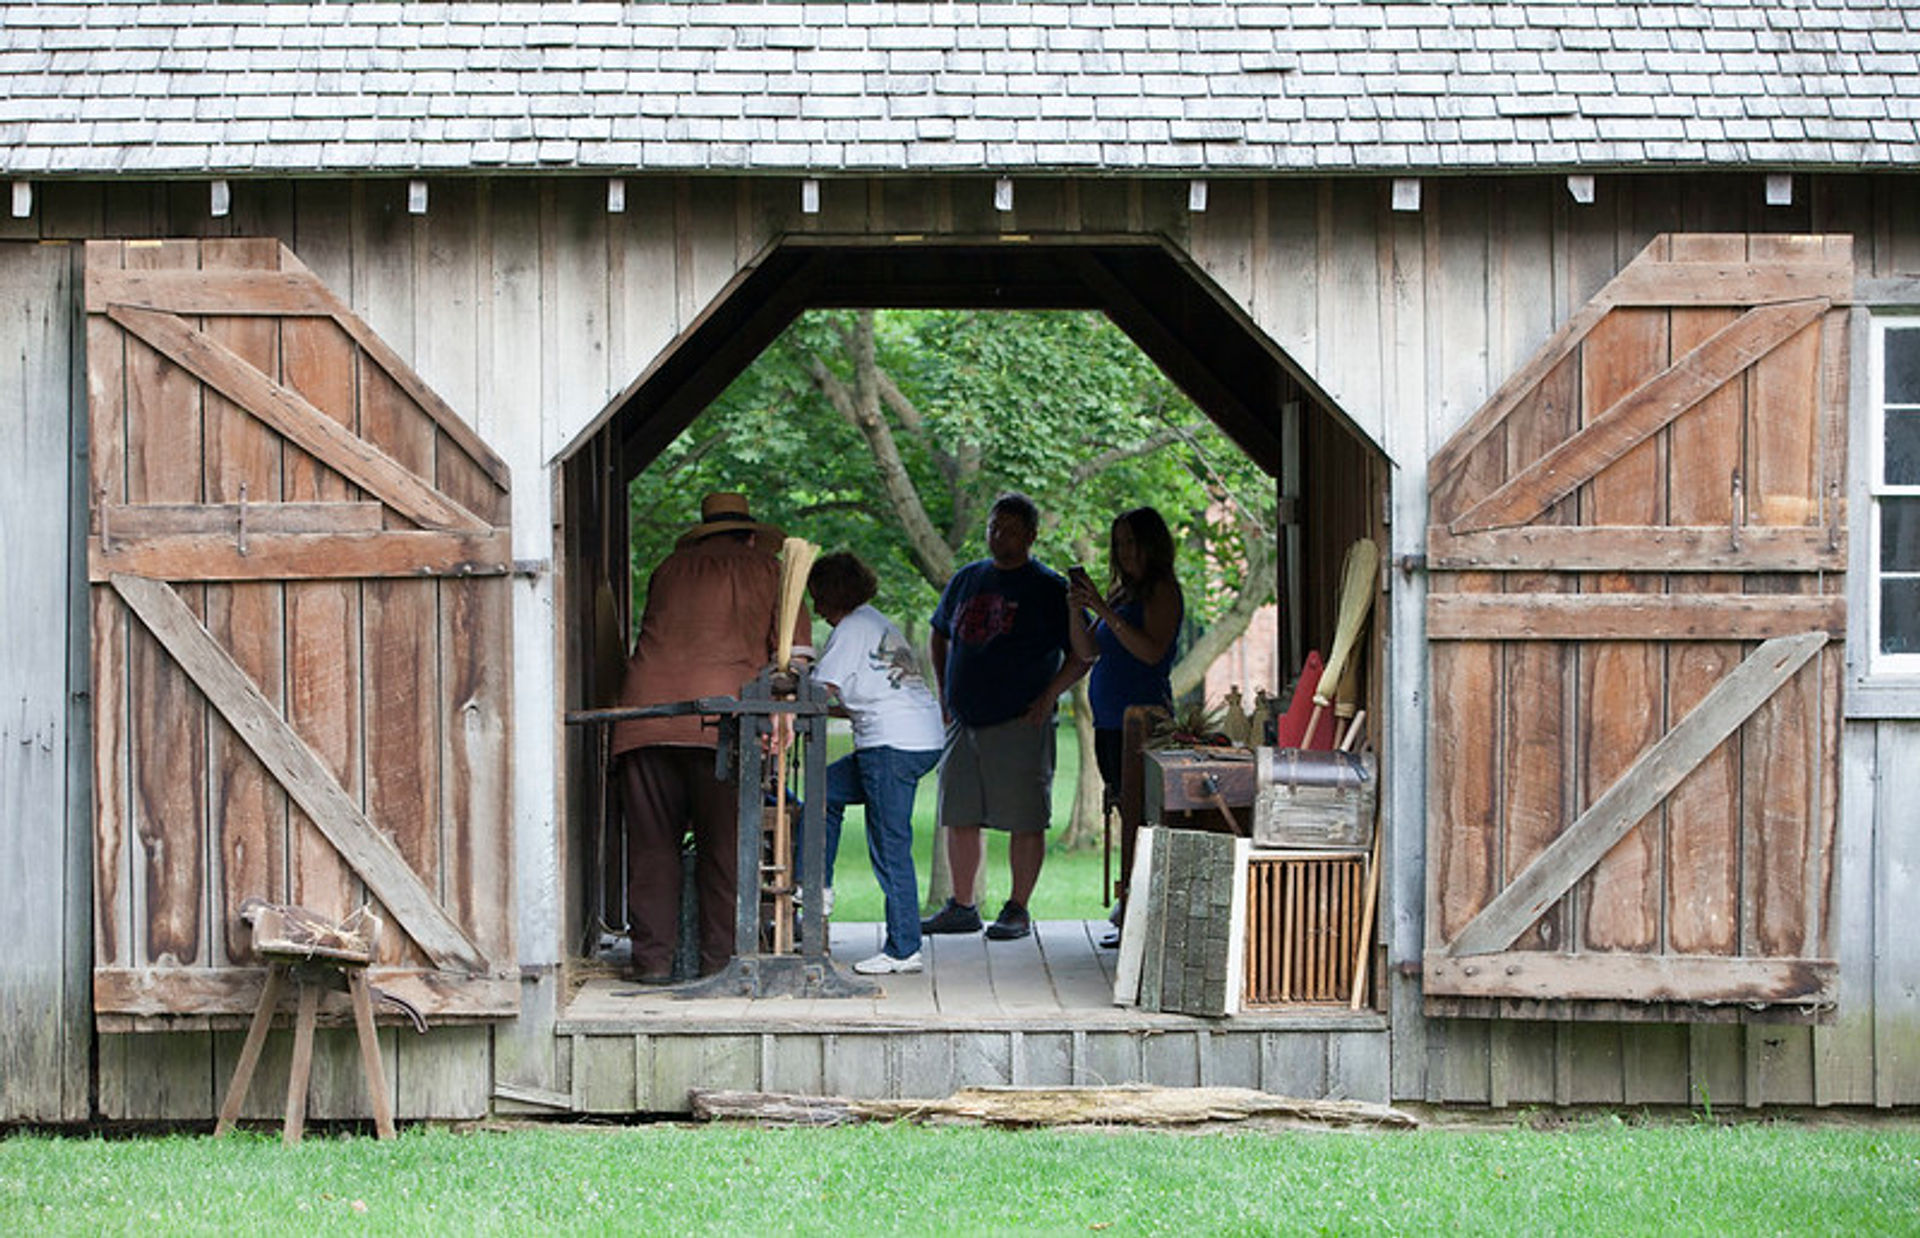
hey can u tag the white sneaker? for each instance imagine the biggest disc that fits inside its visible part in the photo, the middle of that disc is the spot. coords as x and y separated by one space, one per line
884 964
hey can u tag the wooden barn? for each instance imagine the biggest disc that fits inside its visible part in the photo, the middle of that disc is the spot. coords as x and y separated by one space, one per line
331 335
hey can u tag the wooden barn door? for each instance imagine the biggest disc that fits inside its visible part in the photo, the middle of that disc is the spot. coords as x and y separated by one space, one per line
299 561
1635 620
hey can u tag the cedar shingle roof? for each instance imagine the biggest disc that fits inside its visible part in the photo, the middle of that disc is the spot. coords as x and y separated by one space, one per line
1341 86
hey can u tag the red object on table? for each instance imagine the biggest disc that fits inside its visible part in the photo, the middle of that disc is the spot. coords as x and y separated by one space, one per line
1291 729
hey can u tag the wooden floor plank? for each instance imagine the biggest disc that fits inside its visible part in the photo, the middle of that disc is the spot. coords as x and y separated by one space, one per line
849 943
962 985
901 997
1019 974
1074 964
1058 980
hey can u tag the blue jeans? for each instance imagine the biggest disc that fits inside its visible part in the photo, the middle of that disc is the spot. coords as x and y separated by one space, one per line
883 779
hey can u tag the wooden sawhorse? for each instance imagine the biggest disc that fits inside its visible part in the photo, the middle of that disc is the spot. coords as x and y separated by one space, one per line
311 968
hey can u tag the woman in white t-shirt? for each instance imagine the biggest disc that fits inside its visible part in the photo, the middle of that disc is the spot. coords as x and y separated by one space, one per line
897 737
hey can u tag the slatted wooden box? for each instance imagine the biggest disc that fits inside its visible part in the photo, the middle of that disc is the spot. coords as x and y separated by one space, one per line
1216 926
1303 925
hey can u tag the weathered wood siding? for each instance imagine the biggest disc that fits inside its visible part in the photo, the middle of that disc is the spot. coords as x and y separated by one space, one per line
527 306
652 1071
45 1022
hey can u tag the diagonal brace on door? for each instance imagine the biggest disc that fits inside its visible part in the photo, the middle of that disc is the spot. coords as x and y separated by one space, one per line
305 778
1640 414
1636 793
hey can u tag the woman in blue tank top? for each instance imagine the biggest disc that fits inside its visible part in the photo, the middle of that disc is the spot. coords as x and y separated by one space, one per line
1135 626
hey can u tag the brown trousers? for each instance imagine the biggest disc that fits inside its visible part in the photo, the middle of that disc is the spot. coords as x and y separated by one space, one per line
666 791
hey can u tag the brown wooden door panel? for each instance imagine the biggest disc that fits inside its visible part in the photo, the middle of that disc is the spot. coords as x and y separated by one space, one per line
1637 550
301 638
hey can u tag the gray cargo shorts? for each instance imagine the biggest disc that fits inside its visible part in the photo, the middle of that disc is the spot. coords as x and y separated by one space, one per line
999 776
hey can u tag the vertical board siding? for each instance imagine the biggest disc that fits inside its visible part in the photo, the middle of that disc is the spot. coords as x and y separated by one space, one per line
44 1024
1896 887
244 464
1537 751
164 431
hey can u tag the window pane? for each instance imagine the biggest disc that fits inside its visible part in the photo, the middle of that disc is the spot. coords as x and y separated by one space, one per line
1903 366
1900 615
1900 535
1903 449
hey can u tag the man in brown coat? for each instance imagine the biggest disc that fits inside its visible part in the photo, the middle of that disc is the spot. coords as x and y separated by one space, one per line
709 627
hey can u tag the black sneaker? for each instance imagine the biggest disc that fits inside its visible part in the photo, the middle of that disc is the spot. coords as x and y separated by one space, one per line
953 918
1013 924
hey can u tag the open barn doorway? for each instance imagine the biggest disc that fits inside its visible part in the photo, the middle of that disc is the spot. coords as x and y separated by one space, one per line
1328 483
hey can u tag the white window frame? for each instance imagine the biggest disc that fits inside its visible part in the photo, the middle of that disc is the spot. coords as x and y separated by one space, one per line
1880 685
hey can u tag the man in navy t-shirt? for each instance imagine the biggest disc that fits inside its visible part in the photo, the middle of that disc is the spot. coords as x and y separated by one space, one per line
1003 652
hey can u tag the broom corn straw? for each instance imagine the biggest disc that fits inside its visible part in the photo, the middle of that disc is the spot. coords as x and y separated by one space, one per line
796 564
1357 575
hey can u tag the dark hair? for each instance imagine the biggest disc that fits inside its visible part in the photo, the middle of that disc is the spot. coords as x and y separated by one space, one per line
1154 542
840 582
1015 503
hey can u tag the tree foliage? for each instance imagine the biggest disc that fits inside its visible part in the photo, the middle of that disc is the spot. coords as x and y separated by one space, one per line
888 433
1058 404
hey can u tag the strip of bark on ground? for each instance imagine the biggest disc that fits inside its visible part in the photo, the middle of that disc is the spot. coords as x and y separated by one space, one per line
1131 1105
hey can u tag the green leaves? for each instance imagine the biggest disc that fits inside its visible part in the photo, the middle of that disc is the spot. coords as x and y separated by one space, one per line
969 403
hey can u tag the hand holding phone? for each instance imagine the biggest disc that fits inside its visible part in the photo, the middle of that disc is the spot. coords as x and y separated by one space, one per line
1080 586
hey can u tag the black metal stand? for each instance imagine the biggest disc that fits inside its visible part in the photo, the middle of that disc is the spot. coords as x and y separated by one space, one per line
745 721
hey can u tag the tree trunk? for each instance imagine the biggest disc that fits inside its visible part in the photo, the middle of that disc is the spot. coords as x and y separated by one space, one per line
940 880
1255 591
940 873
860 404
1083 827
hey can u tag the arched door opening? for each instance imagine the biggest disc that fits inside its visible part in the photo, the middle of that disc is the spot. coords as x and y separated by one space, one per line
1328 482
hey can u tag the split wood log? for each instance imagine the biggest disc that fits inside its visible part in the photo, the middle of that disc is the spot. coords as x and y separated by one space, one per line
771 1108
1129 1105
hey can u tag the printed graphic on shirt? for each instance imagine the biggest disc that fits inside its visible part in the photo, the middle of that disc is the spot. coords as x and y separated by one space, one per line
983 617
893 657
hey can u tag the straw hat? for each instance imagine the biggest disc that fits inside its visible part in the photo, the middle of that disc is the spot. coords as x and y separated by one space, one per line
724 512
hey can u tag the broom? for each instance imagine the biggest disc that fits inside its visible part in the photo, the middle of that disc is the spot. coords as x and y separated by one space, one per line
796 563
1347 714
1356 599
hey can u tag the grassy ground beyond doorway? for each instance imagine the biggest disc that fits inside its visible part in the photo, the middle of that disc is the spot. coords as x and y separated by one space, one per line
1603 1177
1071 883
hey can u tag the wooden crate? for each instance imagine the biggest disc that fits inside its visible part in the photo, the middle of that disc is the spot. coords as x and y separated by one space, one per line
1303 926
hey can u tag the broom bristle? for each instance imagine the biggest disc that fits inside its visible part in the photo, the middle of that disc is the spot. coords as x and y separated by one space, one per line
1356 598
796 562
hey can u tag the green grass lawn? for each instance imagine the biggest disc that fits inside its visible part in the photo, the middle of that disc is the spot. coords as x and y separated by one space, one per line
1601 1177
1071 883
